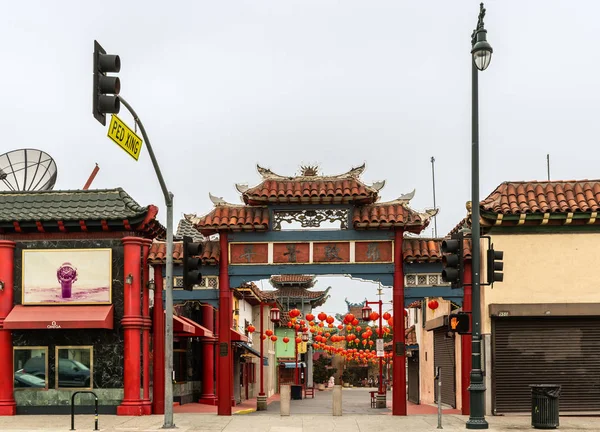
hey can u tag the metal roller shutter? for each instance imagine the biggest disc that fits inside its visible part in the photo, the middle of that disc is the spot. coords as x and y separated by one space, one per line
542 350
444 357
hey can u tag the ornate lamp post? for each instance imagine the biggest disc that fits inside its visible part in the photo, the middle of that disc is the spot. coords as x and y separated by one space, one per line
481 52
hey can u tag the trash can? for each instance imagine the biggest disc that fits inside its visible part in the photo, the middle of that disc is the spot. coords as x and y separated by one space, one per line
544 405
296 392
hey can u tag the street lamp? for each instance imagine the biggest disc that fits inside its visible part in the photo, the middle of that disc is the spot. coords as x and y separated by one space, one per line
275 314
366 313
481 52
305 336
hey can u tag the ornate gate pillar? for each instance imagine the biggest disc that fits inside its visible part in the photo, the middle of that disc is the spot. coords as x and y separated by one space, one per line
208 357
158 345
147 325
8 405
225 362
465 342
132 323
399 349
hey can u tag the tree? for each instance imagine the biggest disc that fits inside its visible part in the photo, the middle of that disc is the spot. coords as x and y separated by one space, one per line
322 370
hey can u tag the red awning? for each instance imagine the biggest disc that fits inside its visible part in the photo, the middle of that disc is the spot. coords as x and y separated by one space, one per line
60 317
196 331
238 337
182 327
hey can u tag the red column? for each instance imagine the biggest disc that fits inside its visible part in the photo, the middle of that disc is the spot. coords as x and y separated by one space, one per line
158 345
225 363
465 343
208 358
399 391
262 332
132 323
8 405
380 335
147 324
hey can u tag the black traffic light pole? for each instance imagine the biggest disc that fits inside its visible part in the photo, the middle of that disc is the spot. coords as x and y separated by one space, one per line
106 100
477 385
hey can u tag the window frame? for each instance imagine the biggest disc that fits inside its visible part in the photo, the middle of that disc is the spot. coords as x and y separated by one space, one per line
29 348
56 358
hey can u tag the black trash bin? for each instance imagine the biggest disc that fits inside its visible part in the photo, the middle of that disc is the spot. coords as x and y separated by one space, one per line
296 392
544 405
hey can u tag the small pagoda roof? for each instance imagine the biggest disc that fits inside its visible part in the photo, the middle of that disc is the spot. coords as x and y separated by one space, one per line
297 295
76 210
303 281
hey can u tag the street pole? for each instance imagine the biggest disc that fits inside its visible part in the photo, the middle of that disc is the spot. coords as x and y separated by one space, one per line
168 418
380 336
477 385
296 354
262 385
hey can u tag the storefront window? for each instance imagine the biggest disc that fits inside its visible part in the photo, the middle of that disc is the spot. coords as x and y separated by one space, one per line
30 367
74 367
180 364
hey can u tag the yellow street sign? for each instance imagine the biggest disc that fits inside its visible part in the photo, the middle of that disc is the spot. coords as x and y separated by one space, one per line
122 134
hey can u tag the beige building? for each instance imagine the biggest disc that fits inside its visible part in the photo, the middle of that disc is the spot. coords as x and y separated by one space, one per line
541 324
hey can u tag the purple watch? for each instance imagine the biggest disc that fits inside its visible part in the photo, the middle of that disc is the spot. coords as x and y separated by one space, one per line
66 275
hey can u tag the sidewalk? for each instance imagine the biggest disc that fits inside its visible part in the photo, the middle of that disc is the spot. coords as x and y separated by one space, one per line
275 423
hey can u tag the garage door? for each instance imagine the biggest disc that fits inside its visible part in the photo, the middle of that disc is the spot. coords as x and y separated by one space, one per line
444 357
541 350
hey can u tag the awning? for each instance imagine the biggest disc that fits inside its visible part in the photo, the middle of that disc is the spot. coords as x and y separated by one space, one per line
238 337
292 365
60 317
181 327
196 330
248 348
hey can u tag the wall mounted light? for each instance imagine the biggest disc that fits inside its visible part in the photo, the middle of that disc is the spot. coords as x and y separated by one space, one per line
1 285
129 279
151 285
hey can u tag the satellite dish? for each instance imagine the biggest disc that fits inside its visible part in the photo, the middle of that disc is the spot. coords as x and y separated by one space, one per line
27 170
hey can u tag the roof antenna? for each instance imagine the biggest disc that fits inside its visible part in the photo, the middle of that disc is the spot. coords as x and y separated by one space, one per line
548 164
92 177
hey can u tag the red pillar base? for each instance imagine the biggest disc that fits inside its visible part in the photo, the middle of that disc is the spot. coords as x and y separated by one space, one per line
147 407
8 408
208 400
135 408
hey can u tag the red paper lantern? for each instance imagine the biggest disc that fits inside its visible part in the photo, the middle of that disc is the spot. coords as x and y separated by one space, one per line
298 340
433 304
289 324
405 312
322 316
273 338
294 313
355 322
330 320
386 316
263 337
286 339
310 317
269 332
373 316
251 328
341 327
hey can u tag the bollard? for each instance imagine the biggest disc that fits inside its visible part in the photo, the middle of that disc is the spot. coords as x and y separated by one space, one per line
285 397
337 400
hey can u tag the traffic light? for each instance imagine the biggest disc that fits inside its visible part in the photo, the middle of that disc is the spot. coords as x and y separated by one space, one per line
191 263
453 260
106 88
459 323
494 265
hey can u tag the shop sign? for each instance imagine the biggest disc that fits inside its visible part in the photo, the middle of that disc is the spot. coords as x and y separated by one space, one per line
53 325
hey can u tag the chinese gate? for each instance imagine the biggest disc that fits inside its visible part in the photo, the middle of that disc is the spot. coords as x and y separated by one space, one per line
367 243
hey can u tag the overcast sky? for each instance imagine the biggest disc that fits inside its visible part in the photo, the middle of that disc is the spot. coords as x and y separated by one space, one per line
223 85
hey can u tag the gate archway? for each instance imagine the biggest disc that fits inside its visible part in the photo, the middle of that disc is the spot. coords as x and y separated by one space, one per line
366 244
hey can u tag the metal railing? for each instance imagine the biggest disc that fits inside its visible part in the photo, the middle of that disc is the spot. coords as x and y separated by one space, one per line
73 409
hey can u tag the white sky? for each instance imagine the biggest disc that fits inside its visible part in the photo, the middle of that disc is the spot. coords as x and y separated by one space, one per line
223 85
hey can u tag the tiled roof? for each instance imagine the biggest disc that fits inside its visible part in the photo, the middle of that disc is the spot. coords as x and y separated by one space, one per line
389 215
185 228
416 304
310 188
231 218
295 293
422 250
544 197
292 278
158 251
315 191
74 206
